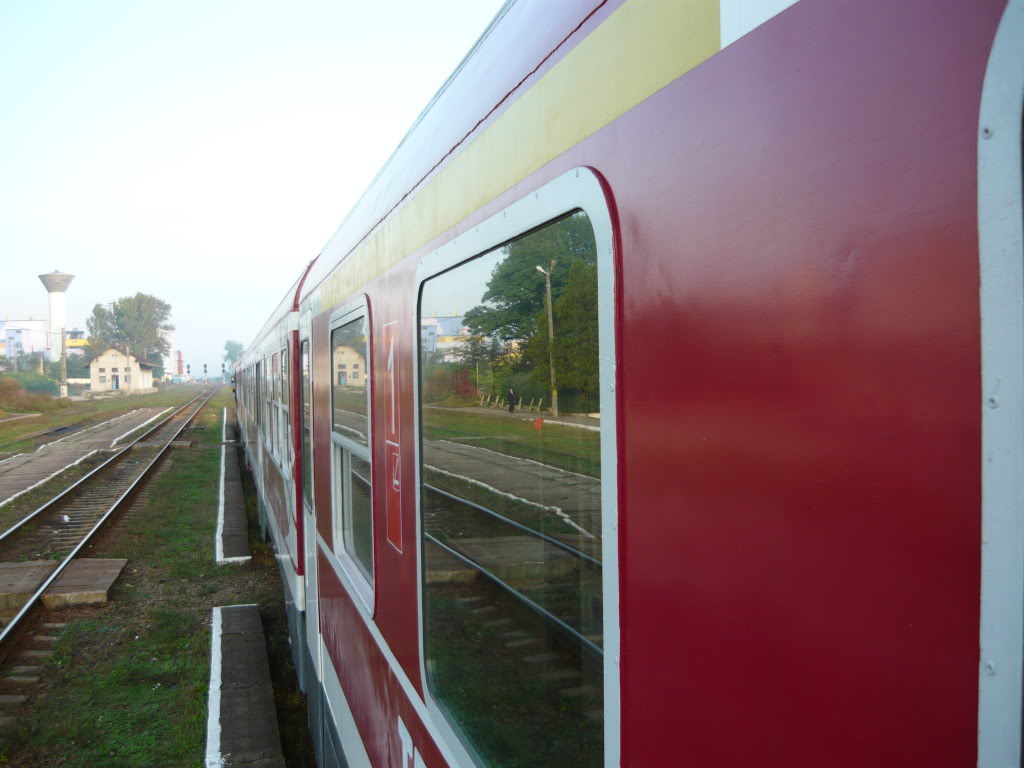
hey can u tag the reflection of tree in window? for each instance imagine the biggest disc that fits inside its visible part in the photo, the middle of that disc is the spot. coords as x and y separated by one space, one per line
513 628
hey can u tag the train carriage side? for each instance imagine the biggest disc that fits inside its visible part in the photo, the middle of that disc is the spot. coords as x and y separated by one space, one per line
746 265
266 396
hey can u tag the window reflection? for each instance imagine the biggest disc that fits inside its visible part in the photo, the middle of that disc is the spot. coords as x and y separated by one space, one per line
511 503
348 363
307 428
353 509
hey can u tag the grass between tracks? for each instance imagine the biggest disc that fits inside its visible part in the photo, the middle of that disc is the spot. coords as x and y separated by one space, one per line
131 682
86 412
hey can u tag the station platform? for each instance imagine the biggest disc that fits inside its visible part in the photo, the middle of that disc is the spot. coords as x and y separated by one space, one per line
242 720
86 581
232 536
24 471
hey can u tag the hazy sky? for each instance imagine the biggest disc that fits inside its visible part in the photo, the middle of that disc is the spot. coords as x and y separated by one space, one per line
201 150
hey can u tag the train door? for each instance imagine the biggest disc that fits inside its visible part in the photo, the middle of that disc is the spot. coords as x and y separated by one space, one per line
1001 253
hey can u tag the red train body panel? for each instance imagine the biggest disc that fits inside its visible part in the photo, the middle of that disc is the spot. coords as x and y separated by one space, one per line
797 388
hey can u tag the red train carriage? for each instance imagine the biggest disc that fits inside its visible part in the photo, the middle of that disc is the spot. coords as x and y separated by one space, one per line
660 402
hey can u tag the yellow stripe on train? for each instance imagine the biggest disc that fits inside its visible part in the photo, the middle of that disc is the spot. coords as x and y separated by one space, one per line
642 47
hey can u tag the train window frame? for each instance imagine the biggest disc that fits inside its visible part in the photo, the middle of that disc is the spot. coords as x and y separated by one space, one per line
306 466
257 400
275 400
352 573
285 404
580 189
1000 233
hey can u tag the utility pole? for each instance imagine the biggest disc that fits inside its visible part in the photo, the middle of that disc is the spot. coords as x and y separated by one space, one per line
551 336
63 364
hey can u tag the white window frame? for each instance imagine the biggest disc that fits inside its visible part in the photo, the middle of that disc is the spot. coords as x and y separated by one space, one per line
580 189
284 450
354 577
305 337
1001 253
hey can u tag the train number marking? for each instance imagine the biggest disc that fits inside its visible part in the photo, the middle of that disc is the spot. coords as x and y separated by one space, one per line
410 755
393 498
391 381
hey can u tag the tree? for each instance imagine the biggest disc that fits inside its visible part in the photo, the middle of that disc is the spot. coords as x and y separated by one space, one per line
232 352
515 292
78 368
133 324
576 352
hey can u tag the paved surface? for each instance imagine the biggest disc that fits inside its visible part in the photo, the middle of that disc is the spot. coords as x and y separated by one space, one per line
245 721
19 581
233 526
577 497
25 470
86 581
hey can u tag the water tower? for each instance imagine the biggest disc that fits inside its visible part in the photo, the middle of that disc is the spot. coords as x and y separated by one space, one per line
56 284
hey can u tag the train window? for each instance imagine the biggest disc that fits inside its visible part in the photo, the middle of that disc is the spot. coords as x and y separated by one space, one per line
277 376
275 399
257 400
286 399
307 427
511 502
268 401
350 434
351 404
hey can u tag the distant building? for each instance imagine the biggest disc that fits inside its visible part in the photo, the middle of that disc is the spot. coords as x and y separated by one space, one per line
115 370
22 337
350 368
75 342
444 334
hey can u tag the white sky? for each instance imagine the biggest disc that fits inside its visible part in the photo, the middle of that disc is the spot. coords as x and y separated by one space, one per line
201 150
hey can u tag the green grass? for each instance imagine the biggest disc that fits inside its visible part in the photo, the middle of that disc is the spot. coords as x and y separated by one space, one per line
353 400
530 724
90 411
132 678
577 450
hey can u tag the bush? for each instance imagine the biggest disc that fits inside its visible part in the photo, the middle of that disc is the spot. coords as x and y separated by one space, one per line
35 383
13 397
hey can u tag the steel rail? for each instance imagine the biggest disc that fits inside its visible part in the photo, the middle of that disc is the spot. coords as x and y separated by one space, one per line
519 526
106 515
119 454
575 634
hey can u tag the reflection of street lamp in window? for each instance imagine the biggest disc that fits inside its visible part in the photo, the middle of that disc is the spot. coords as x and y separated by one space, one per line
551 337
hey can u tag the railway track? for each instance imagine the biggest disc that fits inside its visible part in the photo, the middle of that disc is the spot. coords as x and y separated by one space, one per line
62 527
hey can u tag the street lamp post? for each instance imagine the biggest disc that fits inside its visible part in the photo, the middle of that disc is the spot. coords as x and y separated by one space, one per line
551 336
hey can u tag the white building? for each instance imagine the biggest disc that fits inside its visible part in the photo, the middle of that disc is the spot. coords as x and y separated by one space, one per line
19 337
445 334
115 370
